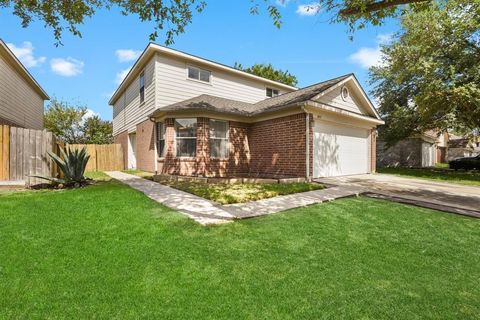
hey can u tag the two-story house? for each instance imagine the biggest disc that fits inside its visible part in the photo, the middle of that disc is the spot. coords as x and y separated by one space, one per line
21 97
179 114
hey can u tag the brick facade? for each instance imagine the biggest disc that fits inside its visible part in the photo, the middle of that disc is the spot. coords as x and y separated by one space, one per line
122 139
268 148
145 141
278 146
203 165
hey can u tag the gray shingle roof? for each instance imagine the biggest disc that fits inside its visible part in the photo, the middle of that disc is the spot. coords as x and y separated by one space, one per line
206 102
298 96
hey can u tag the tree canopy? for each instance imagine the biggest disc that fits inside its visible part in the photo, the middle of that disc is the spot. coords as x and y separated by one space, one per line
170 17
430 74
269 72
71 124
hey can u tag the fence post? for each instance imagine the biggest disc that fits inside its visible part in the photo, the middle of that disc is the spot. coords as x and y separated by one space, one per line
4 152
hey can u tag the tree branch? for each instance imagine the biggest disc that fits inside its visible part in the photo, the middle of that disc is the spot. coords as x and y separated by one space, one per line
377 6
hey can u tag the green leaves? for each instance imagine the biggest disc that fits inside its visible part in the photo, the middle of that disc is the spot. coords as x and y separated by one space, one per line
269 72
432 76
70 124
171 17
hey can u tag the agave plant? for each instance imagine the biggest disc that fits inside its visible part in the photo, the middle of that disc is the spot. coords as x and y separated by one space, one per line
72 164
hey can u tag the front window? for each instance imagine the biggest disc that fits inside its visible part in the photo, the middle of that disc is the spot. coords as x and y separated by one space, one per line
218 139
186 137
160 139
142 87
199 74
272 92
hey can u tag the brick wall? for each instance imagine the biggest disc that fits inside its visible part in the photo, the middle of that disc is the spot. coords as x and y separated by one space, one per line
277 146
145 152
122 138
202 164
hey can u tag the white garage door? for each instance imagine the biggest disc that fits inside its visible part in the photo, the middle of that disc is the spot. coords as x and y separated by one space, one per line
339 150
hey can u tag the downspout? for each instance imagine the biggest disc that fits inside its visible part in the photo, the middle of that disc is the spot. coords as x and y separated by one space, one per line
155 163
307 142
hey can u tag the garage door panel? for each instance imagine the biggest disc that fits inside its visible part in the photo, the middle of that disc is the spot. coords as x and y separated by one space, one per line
339 150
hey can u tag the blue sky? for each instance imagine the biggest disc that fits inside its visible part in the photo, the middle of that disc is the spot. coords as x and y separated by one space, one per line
87 70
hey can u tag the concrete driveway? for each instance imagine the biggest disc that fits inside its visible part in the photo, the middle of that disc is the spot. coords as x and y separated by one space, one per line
437 195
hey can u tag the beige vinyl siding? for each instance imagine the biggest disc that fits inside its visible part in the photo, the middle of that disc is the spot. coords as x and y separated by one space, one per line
167 82
19 102
173 84
334 98
127 111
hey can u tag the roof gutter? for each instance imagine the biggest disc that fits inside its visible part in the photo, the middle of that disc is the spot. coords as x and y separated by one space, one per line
320 106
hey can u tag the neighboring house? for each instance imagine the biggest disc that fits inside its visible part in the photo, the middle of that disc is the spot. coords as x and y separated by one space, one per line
419 151
459 147
21 97
179 114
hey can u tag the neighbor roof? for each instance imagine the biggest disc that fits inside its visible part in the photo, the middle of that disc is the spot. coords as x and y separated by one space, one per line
20 68
153 48
459 143
206 102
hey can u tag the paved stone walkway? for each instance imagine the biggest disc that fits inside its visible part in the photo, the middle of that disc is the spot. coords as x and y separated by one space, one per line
201 210
208 212
291 201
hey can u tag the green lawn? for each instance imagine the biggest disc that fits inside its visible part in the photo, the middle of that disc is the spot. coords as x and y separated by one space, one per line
106 251
225 193
460 177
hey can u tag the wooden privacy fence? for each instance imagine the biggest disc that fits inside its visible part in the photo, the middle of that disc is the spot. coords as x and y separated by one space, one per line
4 153
103 157
24 153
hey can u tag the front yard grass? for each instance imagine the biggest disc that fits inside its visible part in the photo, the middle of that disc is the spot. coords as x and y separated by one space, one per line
228 193
107 251
460 177
225 193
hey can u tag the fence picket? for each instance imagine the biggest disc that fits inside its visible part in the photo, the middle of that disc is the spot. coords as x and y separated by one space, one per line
102 157
24 152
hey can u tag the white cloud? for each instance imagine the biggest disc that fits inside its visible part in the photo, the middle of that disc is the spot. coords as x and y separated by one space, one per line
68 67
282 3
309 9
369 57
384 38
125 55
90 113
25 54
121 75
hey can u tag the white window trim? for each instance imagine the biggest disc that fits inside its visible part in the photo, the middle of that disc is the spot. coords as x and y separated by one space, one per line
198 80
273 90
175 140
342 90
164 139
227 138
